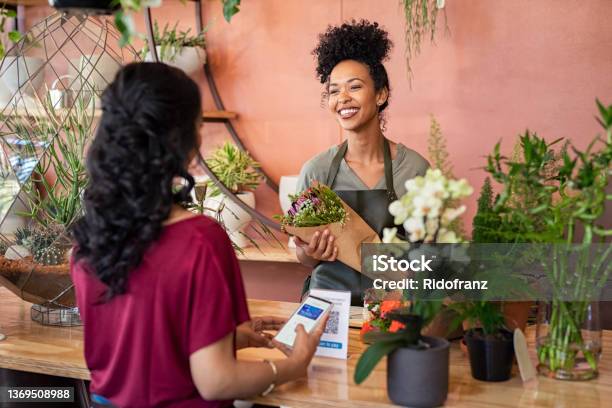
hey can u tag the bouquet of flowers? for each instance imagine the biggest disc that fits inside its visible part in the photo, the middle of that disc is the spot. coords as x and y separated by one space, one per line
319 207
315 206
428 208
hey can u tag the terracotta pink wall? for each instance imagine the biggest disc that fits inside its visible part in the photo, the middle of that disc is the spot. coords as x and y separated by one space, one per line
506 66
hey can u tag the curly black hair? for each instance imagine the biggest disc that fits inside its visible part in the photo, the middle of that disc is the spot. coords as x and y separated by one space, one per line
361 41
146 136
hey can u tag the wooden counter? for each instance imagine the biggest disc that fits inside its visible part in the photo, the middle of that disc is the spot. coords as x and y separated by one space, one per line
58 351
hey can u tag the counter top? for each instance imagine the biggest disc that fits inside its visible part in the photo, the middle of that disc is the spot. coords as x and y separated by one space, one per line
59 351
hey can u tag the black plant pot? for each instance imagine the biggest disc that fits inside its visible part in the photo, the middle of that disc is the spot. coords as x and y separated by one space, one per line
419 377
100 6
490 358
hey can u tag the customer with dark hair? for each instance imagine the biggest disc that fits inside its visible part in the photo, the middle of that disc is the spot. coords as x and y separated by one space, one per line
159 288
367 170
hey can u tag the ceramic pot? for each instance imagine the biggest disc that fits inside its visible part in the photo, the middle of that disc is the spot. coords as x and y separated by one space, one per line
189 59
235 219
419 377
93 72
490 358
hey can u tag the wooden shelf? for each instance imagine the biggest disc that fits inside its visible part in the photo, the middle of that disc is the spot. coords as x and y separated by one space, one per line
219 116
26 2
209 116
269 252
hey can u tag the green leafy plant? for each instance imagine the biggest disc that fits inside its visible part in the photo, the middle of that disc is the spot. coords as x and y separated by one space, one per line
125 9
172 42
569 198
234 168
486 222
421 17
479 314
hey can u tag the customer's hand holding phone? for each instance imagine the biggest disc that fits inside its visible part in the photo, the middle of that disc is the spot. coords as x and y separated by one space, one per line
305 345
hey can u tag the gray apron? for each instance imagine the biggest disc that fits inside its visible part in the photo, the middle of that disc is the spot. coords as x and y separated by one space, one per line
373 207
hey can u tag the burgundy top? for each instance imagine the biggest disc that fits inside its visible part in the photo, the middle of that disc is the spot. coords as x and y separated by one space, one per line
186 294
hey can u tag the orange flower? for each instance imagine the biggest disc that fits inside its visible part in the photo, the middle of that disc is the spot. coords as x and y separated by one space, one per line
388 305
396 326
365 328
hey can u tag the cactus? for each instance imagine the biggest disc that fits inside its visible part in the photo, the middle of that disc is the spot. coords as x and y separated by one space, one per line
49 256
22 236
3 247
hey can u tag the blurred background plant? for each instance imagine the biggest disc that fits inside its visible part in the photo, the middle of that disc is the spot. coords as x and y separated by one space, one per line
171 42
234 168
440 159
421 17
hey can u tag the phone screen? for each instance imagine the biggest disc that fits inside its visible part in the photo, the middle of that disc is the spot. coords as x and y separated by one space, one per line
308 314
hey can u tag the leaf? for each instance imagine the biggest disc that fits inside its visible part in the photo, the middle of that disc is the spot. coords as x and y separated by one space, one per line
230 8
15 36
370 358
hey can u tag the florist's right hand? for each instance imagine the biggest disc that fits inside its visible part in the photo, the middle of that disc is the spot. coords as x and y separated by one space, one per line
304 346
321 247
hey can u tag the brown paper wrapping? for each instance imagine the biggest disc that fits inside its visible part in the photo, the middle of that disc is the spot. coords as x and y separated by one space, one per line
348 237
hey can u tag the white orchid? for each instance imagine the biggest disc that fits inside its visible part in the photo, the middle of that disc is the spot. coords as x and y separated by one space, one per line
424 210
390 236
447 237
450 214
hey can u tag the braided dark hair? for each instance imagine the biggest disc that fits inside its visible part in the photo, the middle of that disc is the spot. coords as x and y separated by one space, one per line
360 41
146 136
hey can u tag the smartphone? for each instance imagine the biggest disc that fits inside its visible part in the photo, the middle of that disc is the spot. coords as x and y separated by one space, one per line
308 314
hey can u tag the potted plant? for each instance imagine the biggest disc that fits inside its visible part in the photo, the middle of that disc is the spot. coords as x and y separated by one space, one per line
236 170
124 9
569 216
489 342
35 265
180 49
417 366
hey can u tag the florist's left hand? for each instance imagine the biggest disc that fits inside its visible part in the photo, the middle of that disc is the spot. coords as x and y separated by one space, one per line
252 334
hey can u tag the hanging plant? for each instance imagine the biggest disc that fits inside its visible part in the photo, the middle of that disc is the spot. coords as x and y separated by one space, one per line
421 18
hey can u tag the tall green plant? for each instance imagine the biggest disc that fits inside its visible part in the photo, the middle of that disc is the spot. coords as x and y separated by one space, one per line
572 198
440 159
486 222
63 135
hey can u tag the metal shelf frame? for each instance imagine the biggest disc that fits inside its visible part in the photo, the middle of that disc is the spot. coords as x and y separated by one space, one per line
228 124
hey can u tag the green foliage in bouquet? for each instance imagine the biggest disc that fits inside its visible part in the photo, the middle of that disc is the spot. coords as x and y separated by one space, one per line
234 168
317 205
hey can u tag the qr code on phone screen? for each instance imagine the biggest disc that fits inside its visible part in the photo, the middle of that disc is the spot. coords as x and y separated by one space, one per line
332 322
